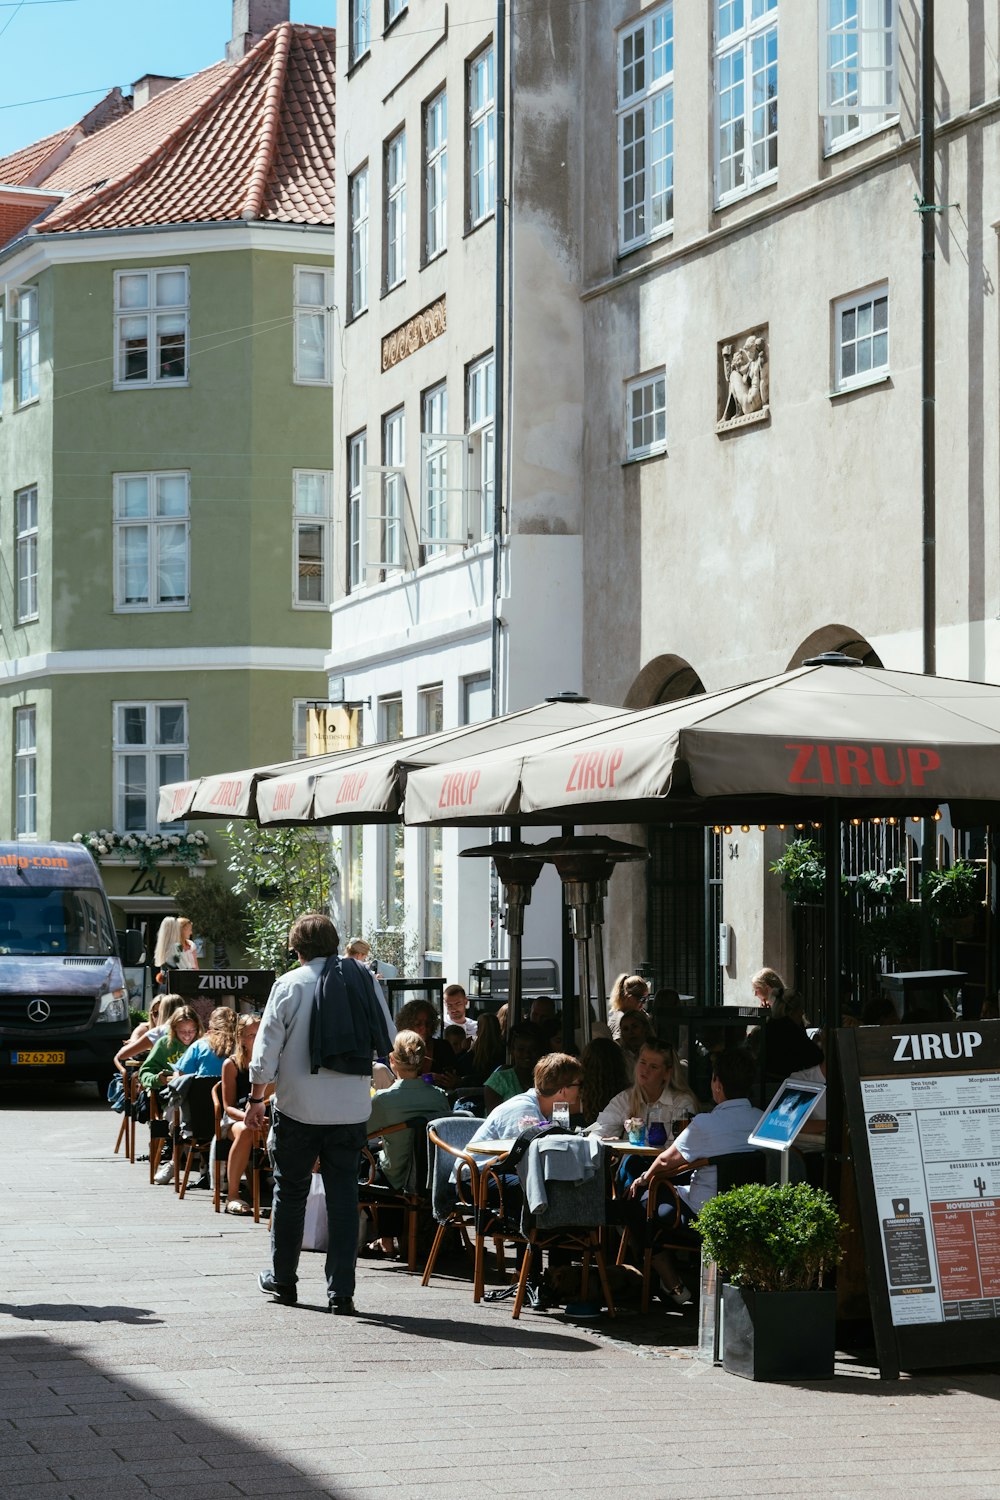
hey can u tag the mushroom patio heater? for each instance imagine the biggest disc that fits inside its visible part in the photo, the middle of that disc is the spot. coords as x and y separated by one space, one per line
518 867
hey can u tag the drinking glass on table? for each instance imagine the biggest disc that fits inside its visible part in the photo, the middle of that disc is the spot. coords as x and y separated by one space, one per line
656 1130
678 1126
560 1116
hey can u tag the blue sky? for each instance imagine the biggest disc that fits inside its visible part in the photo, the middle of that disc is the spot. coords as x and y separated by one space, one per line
68 46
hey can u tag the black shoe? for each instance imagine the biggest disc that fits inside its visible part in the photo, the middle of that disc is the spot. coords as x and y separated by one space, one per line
342 1306
204 1181
286 1295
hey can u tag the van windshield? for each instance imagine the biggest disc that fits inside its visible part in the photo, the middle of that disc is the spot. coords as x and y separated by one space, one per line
56 919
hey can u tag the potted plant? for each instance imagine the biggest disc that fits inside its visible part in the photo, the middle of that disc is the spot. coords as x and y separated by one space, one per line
217 912
802 871
954 897
772 1246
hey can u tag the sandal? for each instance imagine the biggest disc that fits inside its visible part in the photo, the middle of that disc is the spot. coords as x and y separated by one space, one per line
237 1207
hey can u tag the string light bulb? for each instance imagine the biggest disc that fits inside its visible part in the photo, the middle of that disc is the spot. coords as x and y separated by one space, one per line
717 828
744 828
728 828
937 816
762 827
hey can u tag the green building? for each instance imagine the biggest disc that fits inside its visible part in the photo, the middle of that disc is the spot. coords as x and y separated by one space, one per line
166 441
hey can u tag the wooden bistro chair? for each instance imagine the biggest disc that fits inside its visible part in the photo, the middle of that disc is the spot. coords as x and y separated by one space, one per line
456 1199
733 1170
194 1130
574 1220
126 1130
260 1163
379 1198
220 1148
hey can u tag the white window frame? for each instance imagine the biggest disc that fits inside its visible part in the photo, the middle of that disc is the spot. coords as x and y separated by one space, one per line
357 459
300 730
311 521
394 177
436 176
152 751
480 412
360 29
744 51
857 303
313 323
393 10
26 554
385 502
155 313
27 363
358 247
482 146
391 872
651 390
26 772
859 88
645 124
442 454
476 688
153 523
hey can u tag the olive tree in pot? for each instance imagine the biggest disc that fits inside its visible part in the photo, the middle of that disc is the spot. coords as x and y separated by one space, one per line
772 1245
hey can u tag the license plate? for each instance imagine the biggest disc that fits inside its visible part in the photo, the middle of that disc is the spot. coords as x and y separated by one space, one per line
37 1059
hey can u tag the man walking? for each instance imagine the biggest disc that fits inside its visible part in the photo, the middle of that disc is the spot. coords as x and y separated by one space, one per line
321 1025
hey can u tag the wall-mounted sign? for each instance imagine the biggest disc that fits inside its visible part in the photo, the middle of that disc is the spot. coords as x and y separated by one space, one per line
923 1107
330 729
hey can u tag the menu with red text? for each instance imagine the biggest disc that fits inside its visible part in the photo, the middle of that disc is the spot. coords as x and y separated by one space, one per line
935 1154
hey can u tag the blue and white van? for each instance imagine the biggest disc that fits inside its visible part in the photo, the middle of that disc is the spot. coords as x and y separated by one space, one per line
63 1002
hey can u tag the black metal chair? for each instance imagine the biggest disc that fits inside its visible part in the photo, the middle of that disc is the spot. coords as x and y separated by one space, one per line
194 1128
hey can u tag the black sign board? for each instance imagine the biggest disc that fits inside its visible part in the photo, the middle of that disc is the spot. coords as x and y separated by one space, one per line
217 985
923 1109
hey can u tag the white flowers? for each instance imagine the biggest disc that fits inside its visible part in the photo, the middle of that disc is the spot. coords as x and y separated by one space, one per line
183 847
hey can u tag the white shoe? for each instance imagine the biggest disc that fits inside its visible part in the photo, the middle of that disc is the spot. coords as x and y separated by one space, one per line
166 1174
680 1296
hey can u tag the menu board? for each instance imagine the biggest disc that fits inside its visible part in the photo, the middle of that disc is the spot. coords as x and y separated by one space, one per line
923 1108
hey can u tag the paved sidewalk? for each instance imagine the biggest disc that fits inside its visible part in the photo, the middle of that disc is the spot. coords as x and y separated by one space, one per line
138 1359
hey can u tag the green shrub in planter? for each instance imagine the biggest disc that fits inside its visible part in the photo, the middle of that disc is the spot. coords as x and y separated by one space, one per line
772 1245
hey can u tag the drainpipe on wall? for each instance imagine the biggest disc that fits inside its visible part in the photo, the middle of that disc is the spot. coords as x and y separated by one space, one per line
499 377
928 210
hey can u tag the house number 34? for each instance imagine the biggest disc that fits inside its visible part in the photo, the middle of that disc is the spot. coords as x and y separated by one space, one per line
734 851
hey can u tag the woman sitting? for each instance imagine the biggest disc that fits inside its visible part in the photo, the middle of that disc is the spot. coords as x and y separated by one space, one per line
630 992
505 1083
235 1092
141 1041
488 1051
659 1086
635 1031
409 1098
204 1058
605 1075
422 1017
183 1027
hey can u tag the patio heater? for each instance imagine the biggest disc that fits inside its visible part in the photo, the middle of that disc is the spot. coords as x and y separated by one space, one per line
518 867
584 864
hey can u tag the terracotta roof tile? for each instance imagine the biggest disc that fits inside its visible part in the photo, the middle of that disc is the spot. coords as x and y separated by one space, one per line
18 169
254 140
36 163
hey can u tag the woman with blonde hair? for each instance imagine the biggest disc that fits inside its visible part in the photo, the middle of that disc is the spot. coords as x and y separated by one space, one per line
140 1043
235 1092
629 992
174 948
659 1085
768 986
204 1058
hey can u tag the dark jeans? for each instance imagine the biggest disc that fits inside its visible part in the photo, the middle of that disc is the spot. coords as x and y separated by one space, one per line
294 1149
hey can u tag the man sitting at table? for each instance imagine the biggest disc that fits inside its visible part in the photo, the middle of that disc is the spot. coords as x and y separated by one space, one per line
720 1133
557 1080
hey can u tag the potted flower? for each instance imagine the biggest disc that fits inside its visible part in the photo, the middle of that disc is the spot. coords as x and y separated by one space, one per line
772 1246
954 896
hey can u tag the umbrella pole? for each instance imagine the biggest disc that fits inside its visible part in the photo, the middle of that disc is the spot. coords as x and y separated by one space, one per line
831 917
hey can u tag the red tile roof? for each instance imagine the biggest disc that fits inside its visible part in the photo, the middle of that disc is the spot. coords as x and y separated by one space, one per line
35 163
251 140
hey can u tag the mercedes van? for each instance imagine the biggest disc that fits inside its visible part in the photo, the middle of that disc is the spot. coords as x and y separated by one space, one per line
63 1002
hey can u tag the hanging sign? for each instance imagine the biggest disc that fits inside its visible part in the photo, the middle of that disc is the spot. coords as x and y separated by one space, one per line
331 729
923 1108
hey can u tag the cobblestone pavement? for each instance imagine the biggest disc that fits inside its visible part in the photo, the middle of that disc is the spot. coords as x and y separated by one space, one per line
138 1359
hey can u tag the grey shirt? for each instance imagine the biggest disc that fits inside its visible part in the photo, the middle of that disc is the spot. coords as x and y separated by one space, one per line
281 1056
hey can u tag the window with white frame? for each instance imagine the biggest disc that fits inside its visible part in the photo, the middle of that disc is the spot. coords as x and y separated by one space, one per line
300 729
152 540
861 325
361 29
151 321
25 773
393 463
482 137
435 175
359 242
26 553
27 345
746 96
858 68
392 893
430 720
646 127
395 210
312 489
357 458
150 748
393 10
646 415
313 325
479 402
476 699
434 465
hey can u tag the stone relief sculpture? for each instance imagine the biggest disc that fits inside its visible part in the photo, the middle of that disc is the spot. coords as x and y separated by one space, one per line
744 395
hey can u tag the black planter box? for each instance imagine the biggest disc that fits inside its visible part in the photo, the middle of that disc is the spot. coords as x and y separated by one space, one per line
778 1335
